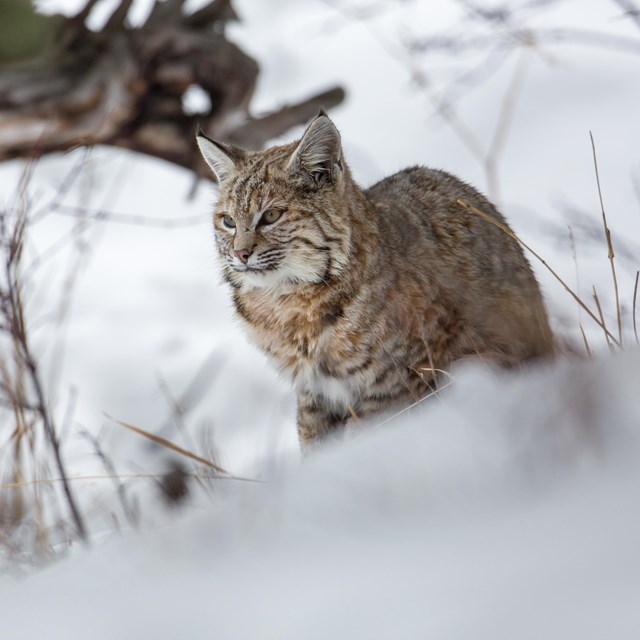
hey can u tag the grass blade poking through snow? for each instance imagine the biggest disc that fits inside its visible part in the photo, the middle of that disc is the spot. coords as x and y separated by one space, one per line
163 442
607 233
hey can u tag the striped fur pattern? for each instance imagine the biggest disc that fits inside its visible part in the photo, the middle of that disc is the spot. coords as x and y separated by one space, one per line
362 296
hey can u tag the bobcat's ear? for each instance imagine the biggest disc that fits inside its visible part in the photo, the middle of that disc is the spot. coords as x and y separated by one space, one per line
319 152
223 159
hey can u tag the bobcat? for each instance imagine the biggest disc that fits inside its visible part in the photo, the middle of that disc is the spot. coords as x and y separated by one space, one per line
363 296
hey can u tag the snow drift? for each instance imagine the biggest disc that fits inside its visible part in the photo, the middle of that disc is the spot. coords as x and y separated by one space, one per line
504 508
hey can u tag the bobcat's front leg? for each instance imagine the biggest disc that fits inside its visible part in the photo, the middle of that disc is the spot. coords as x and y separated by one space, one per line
316 421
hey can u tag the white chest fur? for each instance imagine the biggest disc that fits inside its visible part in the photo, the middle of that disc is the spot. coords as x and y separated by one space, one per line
338 392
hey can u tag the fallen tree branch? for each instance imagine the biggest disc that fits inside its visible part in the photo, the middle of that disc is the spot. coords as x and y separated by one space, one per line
124 86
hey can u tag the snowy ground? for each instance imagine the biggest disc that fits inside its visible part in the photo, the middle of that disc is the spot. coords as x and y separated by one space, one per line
507 508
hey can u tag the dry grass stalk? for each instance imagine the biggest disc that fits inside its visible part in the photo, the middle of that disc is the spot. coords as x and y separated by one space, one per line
599 307
574 255
21 389
585 341
163 442
96 477
414 404
607 233
128 507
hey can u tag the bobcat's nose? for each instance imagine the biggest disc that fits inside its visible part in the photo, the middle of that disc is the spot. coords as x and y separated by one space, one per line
242 254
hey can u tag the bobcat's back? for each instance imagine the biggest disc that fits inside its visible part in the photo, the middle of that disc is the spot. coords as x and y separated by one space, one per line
364 297
474 265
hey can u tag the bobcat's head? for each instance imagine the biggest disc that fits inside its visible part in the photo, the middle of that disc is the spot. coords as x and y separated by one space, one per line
280 217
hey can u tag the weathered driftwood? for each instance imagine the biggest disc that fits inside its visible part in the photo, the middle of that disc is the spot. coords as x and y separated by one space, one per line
124 86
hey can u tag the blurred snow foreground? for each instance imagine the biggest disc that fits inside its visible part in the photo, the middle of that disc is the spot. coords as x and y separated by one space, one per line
507 507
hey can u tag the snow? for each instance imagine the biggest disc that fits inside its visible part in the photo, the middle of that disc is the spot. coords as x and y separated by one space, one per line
505 507
488 514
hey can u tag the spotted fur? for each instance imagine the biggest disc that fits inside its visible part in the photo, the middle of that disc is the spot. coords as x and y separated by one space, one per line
362 296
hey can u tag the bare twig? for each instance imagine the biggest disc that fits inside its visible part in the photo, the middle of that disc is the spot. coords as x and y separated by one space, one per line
505 118
63 189
176 409
21 378
195 390
414 404
254 132
49 429
127 507
134 219
630 10
529 37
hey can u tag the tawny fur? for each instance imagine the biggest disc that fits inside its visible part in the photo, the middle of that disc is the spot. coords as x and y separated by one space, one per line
361 297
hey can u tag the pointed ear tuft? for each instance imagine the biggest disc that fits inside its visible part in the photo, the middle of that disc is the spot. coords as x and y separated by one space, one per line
319 152
221 158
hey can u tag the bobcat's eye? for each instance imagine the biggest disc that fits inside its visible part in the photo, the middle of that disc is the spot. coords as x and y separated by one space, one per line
270 216
228 222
